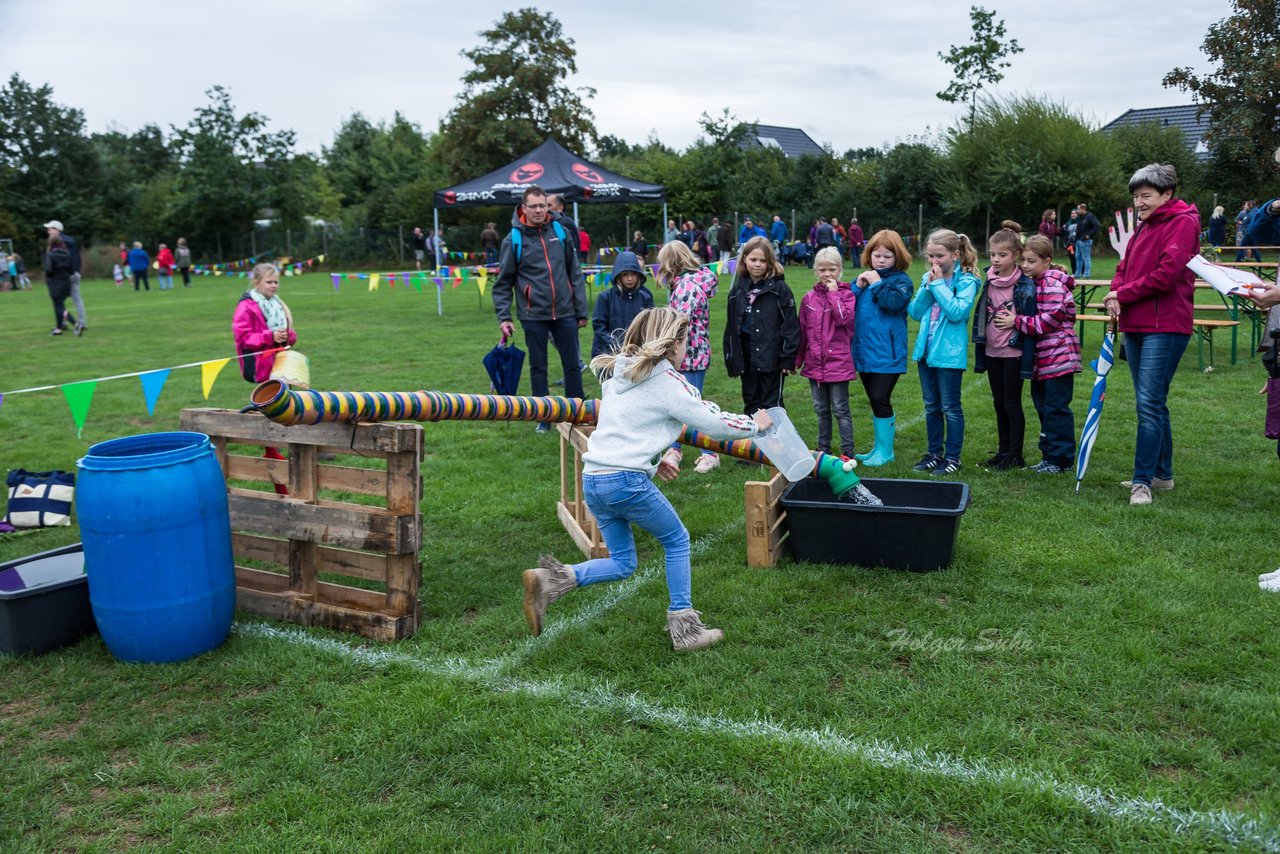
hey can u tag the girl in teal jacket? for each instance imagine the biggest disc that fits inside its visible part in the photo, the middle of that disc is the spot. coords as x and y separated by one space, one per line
942 305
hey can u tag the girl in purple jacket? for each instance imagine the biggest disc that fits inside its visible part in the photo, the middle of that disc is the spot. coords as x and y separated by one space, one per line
826 331
1057 359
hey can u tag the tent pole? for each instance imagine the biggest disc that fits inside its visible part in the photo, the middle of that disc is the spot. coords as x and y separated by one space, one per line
576 221
439 300
662 228
435 218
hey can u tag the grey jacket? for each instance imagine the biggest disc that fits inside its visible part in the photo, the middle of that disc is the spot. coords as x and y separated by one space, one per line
546 283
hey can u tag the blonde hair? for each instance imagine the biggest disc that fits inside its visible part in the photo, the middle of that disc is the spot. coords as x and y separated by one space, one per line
887 238
260 271
959 243
674 260
828 255
770 257
1043 248
650 339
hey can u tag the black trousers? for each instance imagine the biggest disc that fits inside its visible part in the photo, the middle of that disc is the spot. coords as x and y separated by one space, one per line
1006 395
1052 399
141 276
879 389
564 332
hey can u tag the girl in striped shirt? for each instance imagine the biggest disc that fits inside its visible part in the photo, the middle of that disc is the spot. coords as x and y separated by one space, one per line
1057 356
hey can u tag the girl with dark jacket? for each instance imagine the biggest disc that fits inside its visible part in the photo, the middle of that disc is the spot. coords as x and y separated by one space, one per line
57 278
762 337
1006 356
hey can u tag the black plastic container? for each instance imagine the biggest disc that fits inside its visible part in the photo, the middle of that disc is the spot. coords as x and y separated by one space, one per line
915 529
44 601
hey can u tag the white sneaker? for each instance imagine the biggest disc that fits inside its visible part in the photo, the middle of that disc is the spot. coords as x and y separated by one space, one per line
672 457
1140 494
1156 483
1267 576
706 463
1271 585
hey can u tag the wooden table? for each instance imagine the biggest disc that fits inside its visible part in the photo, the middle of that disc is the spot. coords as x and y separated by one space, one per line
1202 327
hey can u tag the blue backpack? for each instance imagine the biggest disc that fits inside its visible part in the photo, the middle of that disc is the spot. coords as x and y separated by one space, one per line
517 241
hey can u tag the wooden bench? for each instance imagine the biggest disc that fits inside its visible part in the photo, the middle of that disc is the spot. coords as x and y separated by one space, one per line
1202 327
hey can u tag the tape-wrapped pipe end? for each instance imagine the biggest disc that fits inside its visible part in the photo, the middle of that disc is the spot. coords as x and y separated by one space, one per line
272 398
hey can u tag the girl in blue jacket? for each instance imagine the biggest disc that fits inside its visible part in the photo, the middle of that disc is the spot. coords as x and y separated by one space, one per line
942 306
880 334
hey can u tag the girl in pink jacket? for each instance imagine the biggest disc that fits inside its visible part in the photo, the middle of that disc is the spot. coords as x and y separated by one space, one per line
826 331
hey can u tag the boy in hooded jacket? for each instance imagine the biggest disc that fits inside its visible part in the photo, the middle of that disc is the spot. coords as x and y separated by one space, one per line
619 305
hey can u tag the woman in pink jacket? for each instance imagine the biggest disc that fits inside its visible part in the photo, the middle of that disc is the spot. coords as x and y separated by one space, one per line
826 332
1152 295
262 325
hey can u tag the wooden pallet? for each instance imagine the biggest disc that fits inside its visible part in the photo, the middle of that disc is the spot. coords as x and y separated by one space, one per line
767 530
572 511
306 536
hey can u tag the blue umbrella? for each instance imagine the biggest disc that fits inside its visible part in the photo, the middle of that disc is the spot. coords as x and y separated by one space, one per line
1089 434
505 363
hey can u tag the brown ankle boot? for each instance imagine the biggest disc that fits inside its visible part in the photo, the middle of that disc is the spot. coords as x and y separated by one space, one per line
544 585
687 631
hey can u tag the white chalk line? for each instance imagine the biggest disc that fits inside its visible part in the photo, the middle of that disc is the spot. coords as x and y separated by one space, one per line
1234 828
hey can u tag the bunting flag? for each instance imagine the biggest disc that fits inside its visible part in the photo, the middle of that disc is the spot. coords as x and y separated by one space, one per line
337 277
483 281
79 396
209 374
1 400
152 383
373 281
417 282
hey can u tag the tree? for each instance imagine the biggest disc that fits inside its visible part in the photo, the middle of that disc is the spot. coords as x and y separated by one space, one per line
978 63
47 166
1149 142
1241 96
1021 155
227 164
515 97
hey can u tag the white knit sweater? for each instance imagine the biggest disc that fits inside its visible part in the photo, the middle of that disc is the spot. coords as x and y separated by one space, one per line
640 420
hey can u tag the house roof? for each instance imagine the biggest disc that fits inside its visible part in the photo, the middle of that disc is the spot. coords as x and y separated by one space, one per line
792 141
1184 118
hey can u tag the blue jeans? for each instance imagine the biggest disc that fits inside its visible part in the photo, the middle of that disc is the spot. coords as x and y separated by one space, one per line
1052 399
1153 358
619 498
940 388
1084 258
696 379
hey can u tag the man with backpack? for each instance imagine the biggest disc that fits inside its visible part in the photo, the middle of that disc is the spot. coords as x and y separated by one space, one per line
538 271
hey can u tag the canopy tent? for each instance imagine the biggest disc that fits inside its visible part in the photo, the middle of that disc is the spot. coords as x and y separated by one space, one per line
555 169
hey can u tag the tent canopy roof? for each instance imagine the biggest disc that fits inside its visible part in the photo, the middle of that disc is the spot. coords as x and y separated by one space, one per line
555 169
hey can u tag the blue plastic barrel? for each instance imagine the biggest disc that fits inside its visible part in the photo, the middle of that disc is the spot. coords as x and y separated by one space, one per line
157 545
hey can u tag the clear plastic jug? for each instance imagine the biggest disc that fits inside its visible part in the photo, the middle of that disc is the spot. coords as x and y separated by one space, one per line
784 447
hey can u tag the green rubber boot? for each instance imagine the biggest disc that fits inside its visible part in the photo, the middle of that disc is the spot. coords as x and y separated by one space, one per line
882 452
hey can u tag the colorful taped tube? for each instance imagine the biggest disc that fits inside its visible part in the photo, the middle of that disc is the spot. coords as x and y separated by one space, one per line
287 406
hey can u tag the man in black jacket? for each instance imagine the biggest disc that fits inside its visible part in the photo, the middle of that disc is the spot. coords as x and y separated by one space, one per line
538 271
1087 228
54 227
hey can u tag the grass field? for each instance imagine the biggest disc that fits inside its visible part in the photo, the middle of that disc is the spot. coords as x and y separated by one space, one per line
1085 676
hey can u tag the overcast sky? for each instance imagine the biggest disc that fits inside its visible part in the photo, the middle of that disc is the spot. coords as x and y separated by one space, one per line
861 74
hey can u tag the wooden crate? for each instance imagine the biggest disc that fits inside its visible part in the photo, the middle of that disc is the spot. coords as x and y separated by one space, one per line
767 530
308 536
571 509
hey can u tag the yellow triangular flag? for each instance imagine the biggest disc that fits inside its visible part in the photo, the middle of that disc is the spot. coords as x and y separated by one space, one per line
217 272
209 374
482 281
320 258
373 281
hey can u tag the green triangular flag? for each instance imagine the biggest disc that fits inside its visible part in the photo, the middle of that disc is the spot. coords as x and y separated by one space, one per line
79 396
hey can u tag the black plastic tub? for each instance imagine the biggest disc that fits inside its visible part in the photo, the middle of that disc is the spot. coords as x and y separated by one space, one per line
44 601
915 529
